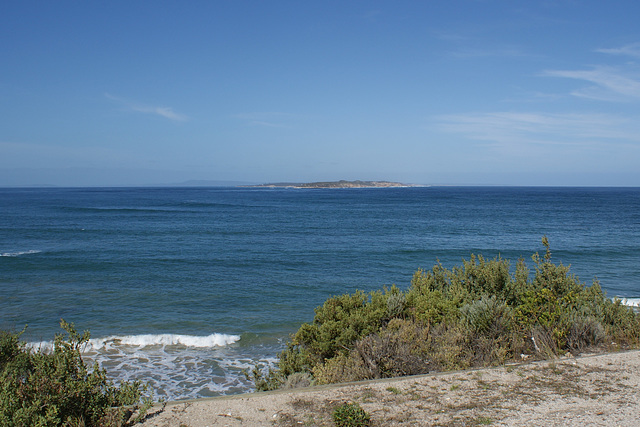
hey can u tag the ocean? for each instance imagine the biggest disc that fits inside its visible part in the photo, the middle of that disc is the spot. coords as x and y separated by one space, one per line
184 288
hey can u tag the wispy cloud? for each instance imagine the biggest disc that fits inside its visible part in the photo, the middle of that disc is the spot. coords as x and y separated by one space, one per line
546 134
165 112
504 129
610 83
266 119
628 50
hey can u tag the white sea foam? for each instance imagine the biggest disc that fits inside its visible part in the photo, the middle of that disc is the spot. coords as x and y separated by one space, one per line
15 254
149 340
175 366
213 340
632 302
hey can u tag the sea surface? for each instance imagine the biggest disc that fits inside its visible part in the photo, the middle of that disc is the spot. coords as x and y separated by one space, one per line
185 288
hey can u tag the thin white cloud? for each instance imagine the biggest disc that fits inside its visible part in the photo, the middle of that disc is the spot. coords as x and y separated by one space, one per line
542 129
522 134
266 119
165 112
611 83
628 50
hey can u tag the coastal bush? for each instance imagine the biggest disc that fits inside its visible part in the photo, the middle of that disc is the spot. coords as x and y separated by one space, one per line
474 315
584 332
490 325
396 303
447 347
479 277
341 369
337 325
344 319
299 379
397 350
58 388
487 316
350 415
431 306
622 324
293 360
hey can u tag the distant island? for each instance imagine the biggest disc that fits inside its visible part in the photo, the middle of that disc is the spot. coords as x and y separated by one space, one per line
336 184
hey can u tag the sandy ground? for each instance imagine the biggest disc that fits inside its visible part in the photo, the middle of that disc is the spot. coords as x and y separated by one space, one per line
598 390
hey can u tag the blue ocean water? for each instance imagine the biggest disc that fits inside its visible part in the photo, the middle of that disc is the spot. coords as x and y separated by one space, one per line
185 287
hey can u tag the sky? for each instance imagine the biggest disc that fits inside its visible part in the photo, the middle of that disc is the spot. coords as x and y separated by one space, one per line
121 93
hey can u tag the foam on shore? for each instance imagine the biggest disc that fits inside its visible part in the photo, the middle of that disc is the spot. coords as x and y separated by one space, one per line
148 340
213 340
631 302
177 366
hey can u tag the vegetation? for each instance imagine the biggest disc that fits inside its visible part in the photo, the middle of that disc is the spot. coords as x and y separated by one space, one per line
55 388
336 184
350 415
475 315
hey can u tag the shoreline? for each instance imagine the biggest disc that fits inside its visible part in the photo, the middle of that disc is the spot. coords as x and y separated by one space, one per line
596 389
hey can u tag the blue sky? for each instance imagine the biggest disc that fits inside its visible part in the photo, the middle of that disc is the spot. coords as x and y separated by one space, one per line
430 92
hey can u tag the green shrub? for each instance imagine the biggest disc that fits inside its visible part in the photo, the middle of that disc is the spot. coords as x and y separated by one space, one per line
474 315
476 278
271 380
344 319
492 336
487 316
479 277
337 325
350 415
447 347
293 359
398 350
341 368
431 306
57 388
396 303
622 324
584 332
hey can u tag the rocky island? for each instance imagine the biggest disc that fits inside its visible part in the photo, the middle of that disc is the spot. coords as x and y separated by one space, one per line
336 184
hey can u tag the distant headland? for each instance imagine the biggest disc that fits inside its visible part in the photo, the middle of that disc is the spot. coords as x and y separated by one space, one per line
336 184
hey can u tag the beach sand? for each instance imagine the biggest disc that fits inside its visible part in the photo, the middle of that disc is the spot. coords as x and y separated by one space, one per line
595 390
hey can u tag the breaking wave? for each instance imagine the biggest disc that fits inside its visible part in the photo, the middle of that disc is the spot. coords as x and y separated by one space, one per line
15 254
175 366
631 302
149 340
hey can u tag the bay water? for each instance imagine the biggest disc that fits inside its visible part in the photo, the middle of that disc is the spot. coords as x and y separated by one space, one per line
184 288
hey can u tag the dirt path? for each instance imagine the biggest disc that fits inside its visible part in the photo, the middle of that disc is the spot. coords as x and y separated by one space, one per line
601 390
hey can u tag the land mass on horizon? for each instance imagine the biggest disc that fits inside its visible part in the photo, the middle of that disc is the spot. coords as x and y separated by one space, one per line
335 184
